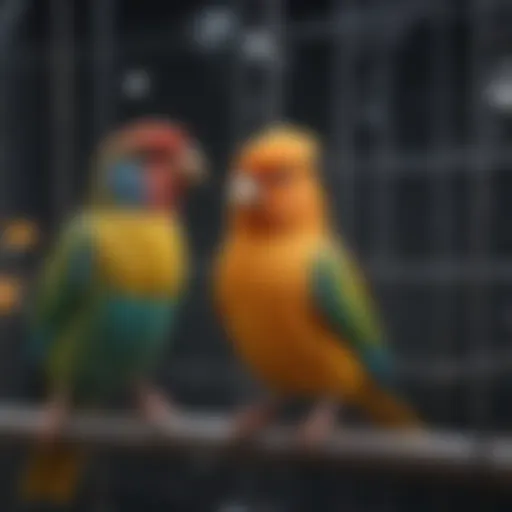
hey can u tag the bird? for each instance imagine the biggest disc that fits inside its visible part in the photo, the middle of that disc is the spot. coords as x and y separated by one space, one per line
109 294
293 299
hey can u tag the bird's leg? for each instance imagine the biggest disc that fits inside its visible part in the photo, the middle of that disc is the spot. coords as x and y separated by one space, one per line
319 424
250 421
54 414
155 407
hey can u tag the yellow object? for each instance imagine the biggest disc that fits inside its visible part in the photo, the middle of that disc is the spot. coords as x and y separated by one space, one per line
263 281
154 266
20 235
52 475
10 294
263 298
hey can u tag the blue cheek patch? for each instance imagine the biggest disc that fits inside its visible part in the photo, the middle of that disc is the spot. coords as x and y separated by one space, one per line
126 184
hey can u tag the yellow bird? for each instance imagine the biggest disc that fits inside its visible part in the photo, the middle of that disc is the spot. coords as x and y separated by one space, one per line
291 297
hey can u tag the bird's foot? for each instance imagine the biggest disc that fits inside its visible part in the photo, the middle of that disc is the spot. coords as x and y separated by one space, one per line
252 420
54 415
155 408
318 426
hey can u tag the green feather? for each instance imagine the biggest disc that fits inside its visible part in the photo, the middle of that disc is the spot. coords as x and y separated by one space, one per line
342 298
63 287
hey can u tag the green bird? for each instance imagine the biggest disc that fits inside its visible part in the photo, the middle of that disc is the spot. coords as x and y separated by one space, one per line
109 294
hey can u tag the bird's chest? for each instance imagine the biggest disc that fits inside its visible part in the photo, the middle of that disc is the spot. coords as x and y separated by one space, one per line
263 296
257 282
142 258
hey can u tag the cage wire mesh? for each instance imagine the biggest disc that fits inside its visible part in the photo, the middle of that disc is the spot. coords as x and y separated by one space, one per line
413 100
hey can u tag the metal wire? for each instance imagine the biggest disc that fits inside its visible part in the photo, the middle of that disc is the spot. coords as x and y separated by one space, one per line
343 93
11 15
62 91
483 134
103 69
441 209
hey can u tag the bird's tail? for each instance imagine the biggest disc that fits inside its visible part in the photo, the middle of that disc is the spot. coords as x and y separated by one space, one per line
387 410
52 475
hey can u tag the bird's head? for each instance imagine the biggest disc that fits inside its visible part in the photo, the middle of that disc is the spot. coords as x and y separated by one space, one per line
148 164
274 184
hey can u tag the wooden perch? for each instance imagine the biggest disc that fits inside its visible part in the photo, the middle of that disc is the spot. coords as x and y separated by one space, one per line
484 460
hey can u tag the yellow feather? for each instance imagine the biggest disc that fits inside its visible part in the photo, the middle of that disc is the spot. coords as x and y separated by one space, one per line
263 294
140 253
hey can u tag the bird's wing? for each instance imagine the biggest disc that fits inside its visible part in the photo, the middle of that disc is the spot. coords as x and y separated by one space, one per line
63 287
341 298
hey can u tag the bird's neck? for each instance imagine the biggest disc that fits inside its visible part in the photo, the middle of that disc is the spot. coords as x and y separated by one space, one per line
261 232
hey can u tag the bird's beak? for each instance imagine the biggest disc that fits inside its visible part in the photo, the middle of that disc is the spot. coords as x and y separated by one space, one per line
243 190
195 166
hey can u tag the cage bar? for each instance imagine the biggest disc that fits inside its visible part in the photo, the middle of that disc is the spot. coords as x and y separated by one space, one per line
103 65
441 210
11 14
343 94
385 147
62 101
483 133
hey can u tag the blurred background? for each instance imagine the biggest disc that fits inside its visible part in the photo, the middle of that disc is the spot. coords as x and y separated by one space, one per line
414 101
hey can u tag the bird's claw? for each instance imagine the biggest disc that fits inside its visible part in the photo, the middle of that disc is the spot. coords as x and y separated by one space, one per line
156 409
251 421
317 428
52 421
312 436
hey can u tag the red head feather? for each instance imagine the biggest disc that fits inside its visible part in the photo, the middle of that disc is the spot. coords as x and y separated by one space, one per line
151 137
